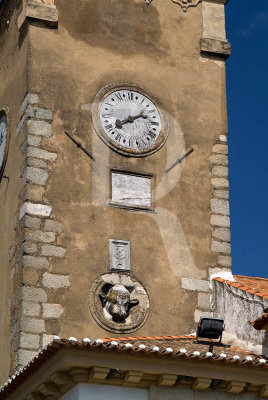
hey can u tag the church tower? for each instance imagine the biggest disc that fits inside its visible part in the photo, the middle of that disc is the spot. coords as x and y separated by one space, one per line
114 171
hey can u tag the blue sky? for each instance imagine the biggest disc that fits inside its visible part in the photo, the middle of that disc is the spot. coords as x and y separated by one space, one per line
247 94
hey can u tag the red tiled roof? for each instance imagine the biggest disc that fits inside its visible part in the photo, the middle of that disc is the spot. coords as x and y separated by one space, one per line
253 285
159 346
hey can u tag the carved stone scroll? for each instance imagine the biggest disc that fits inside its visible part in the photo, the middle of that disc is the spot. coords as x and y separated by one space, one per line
185 4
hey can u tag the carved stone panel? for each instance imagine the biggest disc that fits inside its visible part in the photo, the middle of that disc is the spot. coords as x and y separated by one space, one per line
118 303
131 190
119 255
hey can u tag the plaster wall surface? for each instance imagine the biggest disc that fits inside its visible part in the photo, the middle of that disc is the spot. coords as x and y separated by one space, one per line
237 309
96 43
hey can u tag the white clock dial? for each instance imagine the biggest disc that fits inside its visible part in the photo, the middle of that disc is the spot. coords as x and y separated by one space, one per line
130 119
3 140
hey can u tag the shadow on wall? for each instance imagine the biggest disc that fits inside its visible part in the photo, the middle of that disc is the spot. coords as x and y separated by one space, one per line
122 26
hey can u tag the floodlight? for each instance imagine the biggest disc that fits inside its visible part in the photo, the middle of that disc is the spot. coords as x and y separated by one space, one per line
210 328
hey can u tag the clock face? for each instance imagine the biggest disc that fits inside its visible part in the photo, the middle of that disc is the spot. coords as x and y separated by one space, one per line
129 121
3 141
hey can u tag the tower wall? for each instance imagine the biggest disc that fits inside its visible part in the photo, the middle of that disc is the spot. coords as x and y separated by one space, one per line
66 216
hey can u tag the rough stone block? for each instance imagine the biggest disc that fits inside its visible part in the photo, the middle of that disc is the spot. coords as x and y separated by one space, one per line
220 148
29 248
225 261
39 236
223 194
35 209
29 341
52 310
53 281
219 206
220 247
35 262
34 162
39 153
20 124
53 251
46 339
41 113
220 182
216 46
35 325
222 234
35 175
39 128
221 171
53 226
219 159
33 192
30 98
30 276
30 309
204 300
223 138
33 294
199 313
220 220
34 140
31 222
195 284
25 356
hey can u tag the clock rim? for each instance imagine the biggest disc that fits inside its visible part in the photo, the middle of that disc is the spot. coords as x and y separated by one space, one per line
4 111
105 92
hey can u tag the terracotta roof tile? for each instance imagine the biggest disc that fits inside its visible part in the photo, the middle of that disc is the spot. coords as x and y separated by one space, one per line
253 285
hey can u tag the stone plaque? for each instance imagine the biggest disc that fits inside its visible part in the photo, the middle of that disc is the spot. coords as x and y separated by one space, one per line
131 190
119 255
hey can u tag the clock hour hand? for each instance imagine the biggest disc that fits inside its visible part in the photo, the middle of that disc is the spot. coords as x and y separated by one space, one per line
130 118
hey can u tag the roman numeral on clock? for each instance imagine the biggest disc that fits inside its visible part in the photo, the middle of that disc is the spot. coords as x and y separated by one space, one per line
118 95
152 134
118 137
130 96
109 127
154 123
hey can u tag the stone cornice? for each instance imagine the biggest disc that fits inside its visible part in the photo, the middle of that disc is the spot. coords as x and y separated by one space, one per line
57 369
216 1
35 10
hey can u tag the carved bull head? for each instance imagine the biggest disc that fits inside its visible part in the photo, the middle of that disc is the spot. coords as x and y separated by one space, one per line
117 302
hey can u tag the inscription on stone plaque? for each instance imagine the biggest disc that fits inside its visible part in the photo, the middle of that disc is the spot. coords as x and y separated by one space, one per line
131 190
119 255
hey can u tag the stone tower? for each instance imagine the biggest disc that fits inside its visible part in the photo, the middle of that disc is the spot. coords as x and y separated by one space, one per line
107 239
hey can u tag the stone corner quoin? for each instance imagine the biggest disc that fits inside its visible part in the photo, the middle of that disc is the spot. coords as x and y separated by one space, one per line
39 240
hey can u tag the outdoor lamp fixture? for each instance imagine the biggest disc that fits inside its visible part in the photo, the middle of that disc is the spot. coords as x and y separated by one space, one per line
210 328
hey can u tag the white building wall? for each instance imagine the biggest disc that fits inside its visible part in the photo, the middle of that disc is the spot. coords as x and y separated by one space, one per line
162 393
87 391
237 308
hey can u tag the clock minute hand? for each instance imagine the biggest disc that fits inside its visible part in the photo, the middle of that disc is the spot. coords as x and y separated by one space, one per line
141 114
130 118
